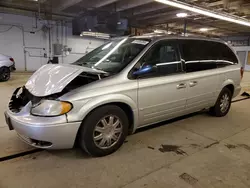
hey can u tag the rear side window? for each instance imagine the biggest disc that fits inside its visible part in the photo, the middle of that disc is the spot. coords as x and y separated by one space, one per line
198 55
204 55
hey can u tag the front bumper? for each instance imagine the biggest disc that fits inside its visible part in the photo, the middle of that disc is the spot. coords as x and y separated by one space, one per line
43 132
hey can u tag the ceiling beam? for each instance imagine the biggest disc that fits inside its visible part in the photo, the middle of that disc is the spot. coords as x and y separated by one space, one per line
145 9
164 14
157 21
30 12
216 3
227 27
148 9
102 3
10 4
117 5
66 4
128 4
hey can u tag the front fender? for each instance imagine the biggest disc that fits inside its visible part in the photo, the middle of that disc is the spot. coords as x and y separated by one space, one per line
83 108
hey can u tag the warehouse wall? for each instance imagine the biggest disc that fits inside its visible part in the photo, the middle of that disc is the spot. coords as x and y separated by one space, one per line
19 33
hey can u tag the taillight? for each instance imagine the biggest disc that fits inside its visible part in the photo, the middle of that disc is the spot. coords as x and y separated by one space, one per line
11 59
241 72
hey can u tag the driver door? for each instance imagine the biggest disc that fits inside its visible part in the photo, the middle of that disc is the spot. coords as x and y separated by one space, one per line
162 93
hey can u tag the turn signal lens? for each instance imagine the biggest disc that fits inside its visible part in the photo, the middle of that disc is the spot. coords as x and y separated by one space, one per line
66 107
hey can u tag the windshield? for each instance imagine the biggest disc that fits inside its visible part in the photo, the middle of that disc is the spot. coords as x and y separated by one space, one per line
113 56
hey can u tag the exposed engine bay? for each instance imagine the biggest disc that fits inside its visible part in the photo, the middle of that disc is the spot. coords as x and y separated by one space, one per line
22 96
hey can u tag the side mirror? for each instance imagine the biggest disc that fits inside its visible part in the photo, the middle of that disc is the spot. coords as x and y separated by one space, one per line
145 70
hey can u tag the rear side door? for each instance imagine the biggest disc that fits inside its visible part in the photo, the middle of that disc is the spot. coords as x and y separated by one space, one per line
162 94
201 73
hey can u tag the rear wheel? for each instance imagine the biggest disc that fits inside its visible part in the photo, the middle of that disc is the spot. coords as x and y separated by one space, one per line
223 103
103 131
4 74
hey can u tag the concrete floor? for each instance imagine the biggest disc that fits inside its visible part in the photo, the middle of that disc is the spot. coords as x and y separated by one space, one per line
208 152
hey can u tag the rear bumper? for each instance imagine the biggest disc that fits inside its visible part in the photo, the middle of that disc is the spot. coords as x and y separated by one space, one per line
43 132
12 68
237 91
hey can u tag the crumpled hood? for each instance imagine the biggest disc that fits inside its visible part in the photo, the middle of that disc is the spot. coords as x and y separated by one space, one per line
50 79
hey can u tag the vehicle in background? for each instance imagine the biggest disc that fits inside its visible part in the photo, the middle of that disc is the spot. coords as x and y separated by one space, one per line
121 86
7 65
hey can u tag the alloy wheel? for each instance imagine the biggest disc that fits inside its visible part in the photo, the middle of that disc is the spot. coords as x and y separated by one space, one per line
107 132
224 102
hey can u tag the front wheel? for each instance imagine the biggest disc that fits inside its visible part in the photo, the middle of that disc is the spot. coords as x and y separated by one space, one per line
4 74
103 131
223 103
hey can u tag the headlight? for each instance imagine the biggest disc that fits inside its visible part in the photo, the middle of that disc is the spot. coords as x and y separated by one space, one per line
51 108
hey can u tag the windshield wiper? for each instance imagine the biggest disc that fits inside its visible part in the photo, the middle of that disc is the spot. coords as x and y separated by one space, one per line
98 69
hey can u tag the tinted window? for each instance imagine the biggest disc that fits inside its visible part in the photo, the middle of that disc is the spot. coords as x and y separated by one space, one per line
199 55
163 55
225 56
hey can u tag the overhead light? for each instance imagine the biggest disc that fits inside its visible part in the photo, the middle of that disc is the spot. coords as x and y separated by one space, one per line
204 29
95 34
159 31
205 12
181 15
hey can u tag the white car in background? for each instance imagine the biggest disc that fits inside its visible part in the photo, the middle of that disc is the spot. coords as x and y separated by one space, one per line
7 65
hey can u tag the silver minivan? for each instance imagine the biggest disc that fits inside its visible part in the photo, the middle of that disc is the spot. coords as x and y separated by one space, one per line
121 86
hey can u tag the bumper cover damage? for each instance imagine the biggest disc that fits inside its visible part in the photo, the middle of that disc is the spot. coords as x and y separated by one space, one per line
40 132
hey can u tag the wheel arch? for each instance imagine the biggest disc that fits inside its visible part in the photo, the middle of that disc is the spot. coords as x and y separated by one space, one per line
230 85
122 101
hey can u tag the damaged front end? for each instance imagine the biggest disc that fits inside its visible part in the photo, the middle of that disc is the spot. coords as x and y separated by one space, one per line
22 95
20 98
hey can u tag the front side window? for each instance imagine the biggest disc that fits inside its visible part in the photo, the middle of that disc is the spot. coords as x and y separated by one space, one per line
113 56
164 56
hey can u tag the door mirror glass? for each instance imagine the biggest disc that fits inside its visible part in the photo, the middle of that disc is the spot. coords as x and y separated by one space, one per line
145 70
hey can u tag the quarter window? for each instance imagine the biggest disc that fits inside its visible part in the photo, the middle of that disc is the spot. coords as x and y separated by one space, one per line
226 56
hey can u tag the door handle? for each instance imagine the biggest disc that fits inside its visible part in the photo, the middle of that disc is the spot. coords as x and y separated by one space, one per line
193 83
181 86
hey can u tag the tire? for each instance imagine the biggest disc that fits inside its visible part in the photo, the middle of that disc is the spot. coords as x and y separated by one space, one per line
95 122
4 74
218 109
